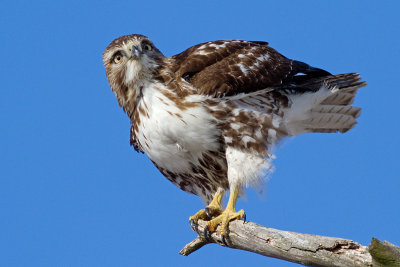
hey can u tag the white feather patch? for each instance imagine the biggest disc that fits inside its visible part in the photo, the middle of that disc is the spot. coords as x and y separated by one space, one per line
175 141
246 169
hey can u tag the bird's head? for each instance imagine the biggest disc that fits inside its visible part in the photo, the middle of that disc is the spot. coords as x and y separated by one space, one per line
130 61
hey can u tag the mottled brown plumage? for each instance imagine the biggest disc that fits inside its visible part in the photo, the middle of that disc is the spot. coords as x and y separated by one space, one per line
209 116
201 66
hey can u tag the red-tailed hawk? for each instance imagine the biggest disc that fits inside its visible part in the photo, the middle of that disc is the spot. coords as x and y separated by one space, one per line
209 116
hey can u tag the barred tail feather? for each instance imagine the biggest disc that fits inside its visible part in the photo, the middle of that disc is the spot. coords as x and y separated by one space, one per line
327 109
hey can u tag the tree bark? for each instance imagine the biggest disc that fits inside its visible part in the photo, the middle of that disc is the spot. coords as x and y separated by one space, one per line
305 249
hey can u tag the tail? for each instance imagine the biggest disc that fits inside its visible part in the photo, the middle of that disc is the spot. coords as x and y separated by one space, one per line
323 105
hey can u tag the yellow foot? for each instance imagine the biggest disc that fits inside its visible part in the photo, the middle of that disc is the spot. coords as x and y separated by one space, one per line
223 220
229 214
206 214
213 209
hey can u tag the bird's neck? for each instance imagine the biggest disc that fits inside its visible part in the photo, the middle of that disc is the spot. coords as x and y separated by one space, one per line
133 97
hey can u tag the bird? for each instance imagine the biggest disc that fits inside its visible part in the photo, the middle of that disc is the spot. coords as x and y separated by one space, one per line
210 116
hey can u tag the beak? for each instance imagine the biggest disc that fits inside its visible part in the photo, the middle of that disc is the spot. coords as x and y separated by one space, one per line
135 52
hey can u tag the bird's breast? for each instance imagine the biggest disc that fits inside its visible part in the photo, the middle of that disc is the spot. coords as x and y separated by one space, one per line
174 137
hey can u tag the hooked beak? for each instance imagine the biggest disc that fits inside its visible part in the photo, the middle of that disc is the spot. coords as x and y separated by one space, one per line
135 52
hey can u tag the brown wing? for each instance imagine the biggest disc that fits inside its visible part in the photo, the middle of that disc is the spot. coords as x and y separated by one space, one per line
223 68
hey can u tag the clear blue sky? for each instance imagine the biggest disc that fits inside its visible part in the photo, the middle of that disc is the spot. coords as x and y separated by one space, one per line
74 193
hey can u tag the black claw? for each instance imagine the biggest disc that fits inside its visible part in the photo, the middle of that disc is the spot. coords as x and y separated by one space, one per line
224 240
207 211
206 233
244 218
193 225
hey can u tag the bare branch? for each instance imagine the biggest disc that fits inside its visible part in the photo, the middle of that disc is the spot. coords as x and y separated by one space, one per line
306 249
193 246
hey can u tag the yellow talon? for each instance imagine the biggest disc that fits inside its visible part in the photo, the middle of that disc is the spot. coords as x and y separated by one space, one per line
213 209
229 214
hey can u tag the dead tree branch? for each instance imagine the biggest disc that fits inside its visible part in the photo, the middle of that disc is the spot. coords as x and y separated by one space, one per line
306 249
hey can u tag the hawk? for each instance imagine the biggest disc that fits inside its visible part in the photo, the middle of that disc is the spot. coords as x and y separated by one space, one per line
209 116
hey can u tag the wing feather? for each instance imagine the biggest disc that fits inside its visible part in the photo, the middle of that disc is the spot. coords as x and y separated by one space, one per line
225 68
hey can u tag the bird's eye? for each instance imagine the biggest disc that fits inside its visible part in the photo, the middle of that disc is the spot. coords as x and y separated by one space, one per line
117 59
147 47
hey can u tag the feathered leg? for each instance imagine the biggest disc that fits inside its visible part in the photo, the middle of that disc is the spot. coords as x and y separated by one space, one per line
238 175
